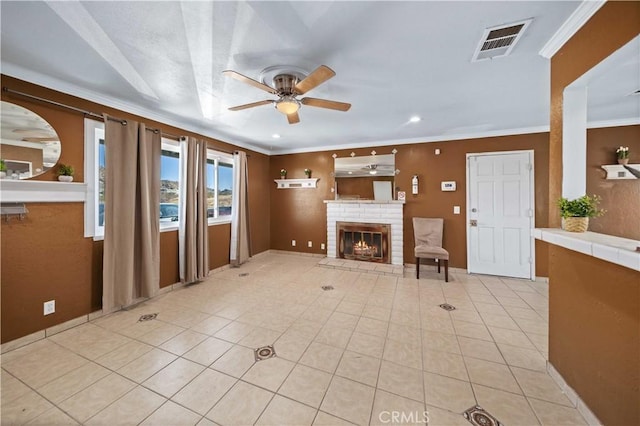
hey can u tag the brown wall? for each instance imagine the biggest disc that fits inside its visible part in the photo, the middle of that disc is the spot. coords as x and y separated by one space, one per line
593 305
595 342
613 26
46 256
620 198
300 214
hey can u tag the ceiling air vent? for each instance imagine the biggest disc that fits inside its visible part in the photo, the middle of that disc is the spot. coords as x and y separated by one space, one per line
499 41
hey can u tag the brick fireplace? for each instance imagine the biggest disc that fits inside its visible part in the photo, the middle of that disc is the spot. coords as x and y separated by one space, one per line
371 217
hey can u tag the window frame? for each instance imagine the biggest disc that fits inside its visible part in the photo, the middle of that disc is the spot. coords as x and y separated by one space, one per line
93 133
172 146
225 158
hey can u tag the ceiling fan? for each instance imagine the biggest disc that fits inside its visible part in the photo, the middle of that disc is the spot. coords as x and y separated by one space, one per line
288 86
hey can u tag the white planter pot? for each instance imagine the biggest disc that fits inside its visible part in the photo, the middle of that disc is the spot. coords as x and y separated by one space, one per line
65 178
3 175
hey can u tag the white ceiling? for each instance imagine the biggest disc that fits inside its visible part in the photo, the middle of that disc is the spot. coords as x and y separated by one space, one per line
393 60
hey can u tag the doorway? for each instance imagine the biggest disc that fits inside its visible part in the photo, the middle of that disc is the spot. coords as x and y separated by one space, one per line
500 214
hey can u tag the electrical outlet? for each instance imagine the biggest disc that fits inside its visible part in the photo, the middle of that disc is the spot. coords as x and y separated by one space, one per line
322 246
49 307
309 244
293 243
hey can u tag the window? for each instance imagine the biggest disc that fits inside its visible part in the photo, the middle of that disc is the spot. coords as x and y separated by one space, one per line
219 186
219 183
94 166
169 184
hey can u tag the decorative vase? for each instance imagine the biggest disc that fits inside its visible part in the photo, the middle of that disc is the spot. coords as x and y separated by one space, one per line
623 161
575 224
63 178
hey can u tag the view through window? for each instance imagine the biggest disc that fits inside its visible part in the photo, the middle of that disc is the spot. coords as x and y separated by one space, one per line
219 185
169 183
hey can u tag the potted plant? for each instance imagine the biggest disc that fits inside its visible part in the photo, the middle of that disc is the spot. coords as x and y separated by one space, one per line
307 173
623 155
283 173
3 170
65 173
576 213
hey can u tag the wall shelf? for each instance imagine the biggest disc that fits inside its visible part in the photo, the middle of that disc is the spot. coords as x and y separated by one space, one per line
296 183
40 191
617 171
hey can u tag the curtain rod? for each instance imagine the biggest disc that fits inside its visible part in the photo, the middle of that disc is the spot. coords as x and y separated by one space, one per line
94 115
81 111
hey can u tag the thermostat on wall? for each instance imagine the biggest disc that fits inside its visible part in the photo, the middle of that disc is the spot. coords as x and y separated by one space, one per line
448 186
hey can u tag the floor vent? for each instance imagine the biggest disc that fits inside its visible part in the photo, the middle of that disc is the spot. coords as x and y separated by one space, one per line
479 417
327 287
265 352
147 317
447 307
499 41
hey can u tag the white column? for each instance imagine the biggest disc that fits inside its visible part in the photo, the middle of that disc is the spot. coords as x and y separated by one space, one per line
574 142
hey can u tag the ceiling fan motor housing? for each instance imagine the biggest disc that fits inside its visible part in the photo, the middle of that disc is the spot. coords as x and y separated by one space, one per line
285 84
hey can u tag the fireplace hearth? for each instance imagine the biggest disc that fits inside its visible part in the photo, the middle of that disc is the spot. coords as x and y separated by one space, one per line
364 241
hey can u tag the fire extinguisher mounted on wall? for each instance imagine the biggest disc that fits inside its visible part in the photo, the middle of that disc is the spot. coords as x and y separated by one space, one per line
414 184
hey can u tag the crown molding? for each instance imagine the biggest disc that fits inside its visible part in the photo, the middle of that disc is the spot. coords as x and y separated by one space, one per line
426 139
571 26
112 102
620 122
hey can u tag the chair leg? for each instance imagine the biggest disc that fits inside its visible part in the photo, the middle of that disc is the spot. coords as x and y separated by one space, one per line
446 271
438 262
417 268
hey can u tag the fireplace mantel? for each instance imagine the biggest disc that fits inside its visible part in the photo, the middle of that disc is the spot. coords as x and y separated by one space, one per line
366 211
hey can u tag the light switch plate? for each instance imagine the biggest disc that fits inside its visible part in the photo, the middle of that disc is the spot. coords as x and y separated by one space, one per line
456 209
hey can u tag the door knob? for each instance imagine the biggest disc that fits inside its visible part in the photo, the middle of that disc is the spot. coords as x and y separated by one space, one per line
474 210
473 222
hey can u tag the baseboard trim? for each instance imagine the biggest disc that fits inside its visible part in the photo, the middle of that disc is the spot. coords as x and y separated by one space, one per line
295 253
573 396
48 332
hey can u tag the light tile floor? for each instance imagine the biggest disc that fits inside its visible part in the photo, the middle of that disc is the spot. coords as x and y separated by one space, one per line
373 346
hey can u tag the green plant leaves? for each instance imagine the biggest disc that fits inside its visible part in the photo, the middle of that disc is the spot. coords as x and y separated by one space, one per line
584 206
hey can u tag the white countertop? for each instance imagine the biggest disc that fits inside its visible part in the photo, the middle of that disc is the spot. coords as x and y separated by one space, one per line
621 251
359 201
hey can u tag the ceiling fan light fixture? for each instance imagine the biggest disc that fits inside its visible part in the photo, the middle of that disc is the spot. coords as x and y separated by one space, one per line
287 105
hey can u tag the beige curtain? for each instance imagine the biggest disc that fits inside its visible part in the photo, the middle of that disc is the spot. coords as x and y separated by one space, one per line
194 230
240 236
131 259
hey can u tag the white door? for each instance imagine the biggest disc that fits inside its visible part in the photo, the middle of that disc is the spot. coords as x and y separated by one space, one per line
500 214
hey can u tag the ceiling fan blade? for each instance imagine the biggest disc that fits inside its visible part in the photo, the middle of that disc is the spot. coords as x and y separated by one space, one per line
245 79
317 77
324 103
251 105
293 118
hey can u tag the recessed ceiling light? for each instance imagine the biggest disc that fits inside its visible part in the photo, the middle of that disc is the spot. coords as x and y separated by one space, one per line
414 119
275 136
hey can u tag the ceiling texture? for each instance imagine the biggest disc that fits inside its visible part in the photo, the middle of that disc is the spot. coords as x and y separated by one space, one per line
393 60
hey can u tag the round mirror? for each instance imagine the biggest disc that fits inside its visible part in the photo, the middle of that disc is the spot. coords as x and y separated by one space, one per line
29 146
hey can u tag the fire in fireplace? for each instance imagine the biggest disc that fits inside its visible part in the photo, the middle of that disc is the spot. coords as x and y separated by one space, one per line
364 241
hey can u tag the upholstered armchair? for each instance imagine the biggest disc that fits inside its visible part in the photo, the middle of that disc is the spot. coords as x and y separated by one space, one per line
427 233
